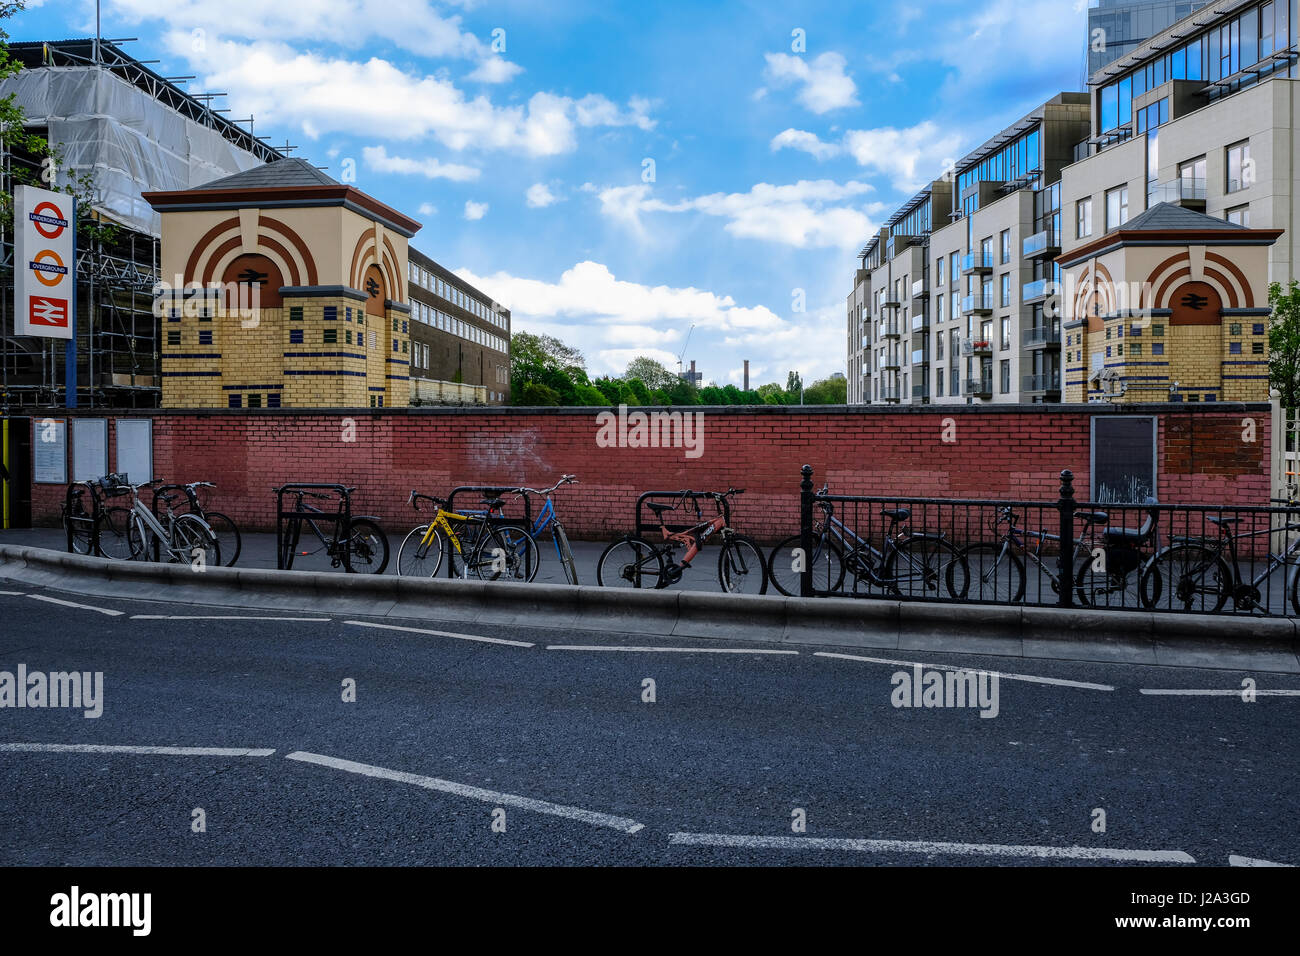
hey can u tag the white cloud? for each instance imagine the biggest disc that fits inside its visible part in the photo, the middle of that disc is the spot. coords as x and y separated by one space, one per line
823 84
377 158
428 209
909 157
807 142
475 211
322 95
800 215
539 196
495 69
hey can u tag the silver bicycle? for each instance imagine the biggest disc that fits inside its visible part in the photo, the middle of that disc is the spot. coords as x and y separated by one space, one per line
174 538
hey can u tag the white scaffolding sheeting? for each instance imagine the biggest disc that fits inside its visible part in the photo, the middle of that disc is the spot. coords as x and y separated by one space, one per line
125 138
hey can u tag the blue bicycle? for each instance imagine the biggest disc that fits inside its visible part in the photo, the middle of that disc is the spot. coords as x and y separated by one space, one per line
547 518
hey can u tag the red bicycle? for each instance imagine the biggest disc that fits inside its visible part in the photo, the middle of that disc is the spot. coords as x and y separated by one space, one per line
633 562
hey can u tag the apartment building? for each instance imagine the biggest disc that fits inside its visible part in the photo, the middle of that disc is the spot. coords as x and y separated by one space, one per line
1201 119
1117 27
460 338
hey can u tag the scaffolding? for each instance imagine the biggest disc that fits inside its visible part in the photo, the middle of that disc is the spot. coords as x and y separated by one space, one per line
130 130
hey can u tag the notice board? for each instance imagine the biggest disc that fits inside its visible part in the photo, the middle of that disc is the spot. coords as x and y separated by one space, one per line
1123 459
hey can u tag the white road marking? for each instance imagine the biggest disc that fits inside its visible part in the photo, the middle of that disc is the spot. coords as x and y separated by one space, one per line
154 751
472 793
85 607
222 617
1234 860
460 637
927 846
14 593
1028 678
1174 692
663 650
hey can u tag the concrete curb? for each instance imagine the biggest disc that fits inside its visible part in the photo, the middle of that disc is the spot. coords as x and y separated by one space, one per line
1134 637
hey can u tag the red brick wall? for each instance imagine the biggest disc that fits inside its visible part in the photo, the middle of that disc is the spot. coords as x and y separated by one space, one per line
1014 453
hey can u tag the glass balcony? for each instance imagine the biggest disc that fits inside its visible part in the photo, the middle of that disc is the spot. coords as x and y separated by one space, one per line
977 303
978 347
981 387
1042 244
1047 382
890 393
890 330
920 289
1042 337
1185 191
977 262
920 393
1037 290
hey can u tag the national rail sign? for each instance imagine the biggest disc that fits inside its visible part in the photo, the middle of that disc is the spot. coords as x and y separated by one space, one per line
45 257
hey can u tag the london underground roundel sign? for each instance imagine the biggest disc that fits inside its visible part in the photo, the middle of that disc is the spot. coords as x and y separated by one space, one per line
45 256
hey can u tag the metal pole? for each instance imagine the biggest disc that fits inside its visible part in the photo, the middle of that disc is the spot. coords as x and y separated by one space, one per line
805 530
97 33
1065 565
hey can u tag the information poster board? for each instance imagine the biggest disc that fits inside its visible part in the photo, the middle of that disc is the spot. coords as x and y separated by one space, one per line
1123 459
89 448
135 449
49 451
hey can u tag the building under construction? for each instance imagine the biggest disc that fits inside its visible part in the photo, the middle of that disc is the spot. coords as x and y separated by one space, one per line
128 130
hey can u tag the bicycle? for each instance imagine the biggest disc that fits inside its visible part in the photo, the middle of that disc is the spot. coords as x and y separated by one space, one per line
1106 576
110 527
1200 578
908 561
359 545
222 526
635 562
548 518
182 538
493 550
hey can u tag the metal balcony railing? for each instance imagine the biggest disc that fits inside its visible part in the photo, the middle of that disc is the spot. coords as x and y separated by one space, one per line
1040 244
977 303
1179 191
1037 290
977 347
1047 382
977 262
1042 337
981 387
890 393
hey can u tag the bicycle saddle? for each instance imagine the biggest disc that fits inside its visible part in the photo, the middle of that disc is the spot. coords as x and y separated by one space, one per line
1093 517
1222 521
899 514
659 508
494 503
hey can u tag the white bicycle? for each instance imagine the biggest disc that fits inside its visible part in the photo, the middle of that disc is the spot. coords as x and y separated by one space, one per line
175 538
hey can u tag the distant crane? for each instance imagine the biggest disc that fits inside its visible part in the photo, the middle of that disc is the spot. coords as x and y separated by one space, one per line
682 354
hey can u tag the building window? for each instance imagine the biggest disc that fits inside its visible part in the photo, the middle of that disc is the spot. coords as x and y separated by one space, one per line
1006 289
173 336
205 337
1006 246
1134 349
347 336
1234 328
1240 168
1157 330
331 337
1083 218
1158 348
1240 215
331 313
1234 348
938 271
1006 334
254 400
295 336
1116 207
235 401
1256 348
347 314
273 400
1005 371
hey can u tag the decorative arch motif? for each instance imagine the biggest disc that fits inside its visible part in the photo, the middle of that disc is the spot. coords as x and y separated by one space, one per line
222 243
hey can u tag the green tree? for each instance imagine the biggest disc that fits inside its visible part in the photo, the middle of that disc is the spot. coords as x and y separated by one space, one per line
1284 342
793 385
771 394
651 372
640 392
534 394
545 360
712 395
828 391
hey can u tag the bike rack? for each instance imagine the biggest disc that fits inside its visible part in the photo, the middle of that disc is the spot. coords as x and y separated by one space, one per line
96 487
652 526
494 491
344 514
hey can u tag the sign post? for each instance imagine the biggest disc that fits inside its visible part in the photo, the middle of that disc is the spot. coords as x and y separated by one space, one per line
45 272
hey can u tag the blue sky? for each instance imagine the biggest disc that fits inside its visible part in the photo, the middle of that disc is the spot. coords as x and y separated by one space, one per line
519 133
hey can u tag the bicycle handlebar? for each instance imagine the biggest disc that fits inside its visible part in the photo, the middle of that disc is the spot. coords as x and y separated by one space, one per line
414 500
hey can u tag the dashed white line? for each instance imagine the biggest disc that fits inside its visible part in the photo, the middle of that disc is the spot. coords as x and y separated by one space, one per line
663 650
927 846
152 751
459 637
472 793
1028 678
13 593
1176 692
84 607
1234 860
223 617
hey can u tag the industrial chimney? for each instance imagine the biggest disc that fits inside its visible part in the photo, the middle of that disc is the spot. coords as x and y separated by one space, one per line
747 375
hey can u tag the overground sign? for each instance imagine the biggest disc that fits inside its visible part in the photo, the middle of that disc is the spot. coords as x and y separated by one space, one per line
45 255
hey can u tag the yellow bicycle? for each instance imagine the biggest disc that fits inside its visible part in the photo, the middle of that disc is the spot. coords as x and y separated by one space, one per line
475 545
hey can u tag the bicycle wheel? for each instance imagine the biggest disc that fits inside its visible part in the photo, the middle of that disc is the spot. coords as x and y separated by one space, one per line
193 541
506 553
368 547
827 565
630 563
741 568
566 554
114 535
1187 577
997 573
77 527
289 543
924 567
1112 581
227 534
1295 588
415 558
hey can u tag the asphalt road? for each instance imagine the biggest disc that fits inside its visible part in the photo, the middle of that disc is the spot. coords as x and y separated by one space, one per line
445 730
